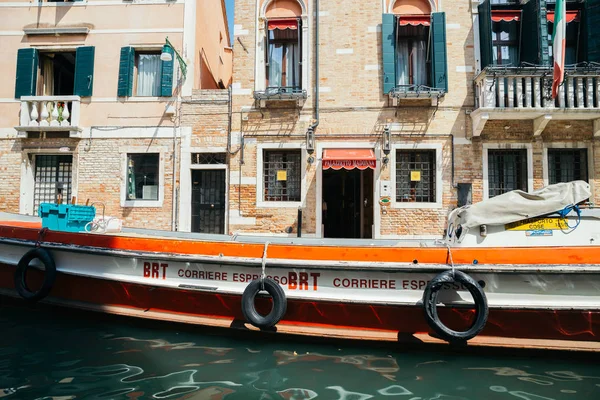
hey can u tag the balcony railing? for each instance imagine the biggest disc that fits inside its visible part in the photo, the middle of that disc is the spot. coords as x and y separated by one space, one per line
532 87
526 93
50 113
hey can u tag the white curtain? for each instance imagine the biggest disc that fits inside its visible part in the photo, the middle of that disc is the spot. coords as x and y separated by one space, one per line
403 62
48 73
149 71
275 65
292 67
419 62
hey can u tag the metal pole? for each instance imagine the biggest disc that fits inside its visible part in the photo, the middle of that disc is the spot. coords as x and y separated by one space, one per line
175 124
299 221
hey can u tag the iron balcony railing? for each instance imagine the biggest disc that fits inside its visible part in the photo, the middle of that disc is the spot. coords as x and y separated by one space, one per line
281 93
416 91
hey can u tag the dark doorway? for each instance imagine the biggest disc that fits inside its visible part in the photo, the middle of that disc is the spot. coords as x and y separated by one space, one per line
348 203
208 201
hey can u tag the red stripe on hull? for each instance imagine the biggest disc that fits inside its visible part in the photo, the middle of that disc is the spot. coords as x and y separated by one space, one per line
531 324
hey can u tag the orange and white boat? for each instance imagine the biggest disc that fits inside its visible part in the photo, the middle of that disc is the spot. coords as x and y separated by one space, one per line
517 266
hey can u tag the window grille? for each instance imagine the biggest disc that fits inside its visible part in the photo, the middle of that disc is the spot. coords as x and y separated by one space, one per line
566 165
53 176
209 158
415 176
507 170
281 175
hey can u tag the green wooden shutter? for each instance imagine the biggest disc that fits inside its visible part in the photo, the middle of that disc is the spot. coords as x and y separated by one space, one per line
534 34
485 33
592 22
125 87
388 49
84 71
543 34
439 56
27 66
166 76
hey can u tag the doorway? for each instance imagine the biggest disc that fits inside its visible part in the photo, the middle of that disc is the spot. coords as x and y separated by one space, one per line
208 201
348 203
53 180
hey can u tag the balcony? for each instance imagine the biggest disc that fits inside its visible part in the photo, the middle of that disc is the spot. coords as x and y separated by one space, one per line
525 94
49 114
419 92
280 93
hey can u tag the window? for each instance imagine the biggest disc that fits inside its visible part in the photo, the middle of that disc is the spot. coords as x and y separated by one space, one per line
505 44
566 165
507 170
148 74
283 54
142 176
281 175
53 180
412 66
572 34
415 176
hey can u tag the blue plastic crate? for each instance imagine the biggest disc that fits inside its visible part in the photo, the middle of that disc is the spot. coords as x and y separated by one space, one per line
66 217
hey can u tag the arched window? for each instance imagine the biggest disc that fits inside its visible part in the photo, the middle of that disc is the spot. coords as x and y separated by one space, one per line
283 46
279 69
414 48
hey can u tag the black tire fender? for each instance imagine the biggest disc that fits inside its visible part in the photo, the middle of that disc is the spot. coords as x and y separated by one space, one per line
430 296
49 274
279 303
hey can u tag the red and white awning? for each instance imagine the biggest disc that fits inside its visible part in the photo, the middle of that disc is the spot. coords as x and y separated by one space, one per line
414 20
506 15
282 24
571 16
349 159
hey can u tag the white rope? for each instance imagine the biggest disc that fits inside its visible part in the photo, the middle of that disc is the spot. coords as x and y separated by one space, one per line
263 275
447 244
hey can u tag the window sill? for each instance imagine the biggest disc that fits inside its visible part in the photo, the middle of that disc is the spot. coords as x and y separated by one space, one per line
142 203
278 204
413 205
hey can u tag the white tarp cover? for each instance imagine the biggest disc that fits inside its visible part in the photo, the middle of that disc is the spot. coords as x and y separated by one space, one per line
518 205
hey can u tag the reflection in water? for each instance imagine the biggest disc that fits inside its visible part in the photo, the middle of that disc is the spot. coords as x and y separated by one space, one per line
52 354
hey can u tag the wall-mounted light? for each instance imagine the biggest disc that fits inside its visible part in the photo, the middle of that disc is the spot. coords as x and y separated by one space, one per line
387 140
310 141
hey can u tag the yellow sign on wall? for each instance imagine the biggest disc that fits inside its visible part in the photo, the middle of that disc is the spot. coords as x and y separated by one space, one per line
282 175
415 176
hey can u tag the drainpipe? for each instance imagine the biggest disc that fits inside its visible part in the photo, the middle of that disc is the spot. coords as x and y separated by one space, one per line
229 116
315 124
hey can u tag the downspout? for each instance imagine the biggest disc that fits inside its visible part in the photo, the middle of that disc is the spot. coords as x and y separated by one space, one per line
315 124
229 117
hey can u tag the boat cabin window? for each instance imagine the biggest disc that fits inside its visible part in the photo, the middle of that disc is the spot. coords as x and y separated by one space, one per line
566 165
142 176
282 175
415 176
507 170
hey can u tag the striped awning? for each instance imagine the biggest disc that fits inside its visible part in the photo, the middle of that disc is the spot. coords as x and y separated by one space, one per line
506 15
282 24
349 159
571 16
414 20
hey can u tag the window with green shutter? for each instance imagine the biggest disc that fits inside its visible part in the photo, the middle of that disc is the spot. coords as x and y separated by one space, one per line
592 22
27 71
84 71
166 80
126 64
388 49
484 11
439 58
534 47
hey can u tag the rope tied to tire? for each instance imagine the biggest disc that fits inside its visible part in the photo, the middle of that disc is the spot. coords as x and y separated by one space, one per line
274 289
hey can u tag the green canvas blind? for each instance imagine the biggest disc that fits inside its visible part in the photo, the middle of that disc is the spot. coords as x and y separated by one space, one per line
388 49
84 71
592 22
166 76
125 85
534 34
439 55
485 33
27 66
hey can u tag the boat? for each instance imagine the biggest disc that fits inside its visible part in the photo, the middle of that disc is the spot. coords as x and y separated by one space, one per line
516 266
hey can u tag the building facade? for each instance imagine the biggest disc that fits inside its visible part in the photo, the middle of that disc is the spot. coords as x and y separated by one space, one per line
89 110
376 118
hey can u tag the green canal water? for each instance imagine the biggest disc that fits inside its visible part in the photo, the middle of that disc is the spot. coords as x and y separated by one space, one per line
48 353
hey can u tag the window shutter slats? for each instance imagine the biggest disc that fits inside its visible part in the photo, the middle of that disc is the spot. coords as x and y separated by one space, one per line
27 65
438 51
125 85
534 34
485 33
592 22
166 76
388 49
84 71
